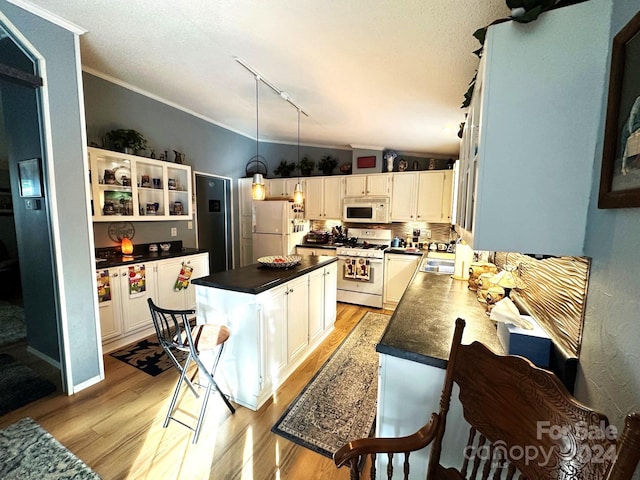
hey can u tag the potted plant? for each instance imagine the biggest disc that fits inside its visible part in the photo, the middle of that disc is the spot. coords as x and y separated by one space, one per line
126 141
327 163
285 169
306 165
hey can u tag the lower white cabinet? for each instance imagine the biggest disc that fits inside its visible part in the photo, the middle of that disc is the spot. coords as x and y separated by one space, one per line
271 332
168 296
322 300
398 271
123 292
297 315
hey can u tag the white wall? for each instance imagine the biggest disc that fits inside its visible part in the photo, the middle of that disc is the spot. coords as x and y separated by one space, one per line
609 369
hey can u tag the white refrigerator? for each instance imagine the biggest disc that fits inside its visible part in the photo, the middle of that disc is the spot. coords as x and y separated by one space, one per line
278 226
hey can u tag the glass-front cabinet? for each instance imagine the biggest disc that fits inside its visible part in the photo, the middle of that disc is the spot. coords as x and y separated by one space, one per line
140 188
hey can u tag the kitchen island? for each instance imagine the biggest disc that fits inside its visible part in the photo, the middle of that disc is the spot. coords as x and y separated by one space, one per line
414 350
276 317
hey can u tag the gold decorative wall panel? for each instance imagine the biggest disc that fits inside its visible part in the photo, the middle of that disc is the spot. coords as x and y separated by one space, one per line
554 293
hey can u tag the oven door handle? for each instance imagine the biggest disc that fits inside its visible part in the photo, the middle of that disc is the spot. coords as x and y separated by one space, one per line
377 261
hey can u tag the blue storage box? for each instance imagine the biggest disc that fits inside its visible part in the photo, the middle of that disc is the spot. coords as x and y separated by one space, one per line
533 344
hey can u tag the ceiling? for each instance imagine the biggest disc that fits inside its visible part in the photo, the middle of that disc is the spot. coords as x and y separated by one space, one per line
385 74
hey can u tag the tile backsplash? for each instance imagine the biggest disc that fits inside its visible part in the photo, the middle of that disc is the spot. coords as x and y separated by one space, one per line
440 232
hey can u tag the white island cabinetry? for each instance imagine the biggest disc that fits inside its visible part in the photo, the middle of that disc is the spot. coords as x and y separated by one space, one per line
322 300
272 315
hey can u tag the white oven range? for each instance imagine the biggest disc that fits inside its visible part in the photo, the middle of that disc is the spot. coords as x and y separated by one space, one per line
361 266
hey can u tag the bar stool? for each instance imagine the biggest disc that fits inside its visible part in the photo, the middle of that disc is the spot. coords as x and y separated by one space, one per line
199 339
168 331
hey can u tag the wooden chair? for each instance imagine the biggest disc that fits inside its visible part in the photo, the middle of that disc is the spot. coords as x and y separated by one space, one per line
522 420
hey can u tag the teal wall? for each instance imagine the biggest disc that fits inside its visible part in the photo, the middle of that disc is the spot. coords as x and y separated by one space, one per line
209 148
66 174
609 372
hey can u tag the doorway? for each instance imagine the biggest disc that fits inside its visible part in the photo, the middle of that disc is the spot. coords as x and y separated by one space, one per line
26 231
213 210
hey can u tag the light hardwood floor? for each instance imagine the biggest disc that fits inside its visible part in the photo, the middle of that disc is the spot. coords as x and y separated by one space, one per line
116 426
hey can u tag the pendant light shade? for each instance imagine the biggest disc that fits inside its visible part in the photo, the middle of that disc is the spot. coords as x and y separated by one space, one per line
298 194
258 190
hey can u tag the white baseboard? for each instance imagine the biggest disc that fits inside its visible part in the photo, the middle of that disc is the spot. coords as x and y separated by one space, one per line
44 357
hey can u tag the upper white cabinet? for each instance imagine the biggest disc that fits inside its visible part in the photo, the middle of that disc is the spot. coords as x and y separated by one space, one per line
138 188
378 184
424 196
535 125
323 198
246 221
281 187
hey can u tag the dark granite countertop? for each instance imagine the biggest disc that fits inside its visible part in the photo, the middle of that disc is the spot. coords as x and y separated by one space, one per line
117 259
256 278
421 328
317 245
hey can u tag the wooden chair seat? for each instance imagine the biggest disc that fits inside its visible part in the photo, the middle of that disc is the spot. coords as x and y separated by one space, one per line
524 424
206 337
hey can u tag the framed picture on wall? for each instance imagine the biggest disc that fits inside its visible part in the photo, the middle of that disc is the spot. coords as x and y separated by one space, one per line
367 162
620 174
30 175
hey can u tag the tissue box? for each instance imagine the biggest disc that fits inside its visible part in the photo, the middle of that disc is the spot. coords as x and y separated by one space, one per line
533 344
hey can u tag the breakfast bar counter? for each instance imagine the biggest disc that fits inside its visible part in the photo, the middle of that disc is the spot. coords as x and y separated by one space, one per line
422 325
256 279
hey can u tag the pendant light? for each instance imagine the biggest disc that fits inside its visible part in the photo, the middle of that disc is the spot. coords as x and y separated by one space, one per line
298 195
258 190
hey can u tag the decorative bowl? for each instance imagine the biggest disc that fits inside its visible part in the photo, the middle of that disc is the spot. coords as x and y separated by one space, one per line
165 247
280 261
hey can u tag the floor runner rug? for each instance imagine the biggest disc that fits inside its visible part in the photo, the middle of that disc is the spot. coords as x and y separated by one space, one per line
147 355
28 452
339 403
20 385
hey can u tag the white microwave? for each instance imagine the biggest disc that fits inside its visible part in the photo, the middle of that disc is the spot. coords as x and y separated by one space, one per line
366 210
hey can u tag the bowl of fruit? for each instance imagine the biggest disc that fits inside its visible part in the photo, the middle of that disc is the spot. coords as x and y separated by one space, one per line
280 261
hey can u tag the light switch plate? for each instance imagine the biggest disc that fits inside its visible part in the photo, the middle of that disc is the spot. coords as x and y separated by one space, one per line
174 232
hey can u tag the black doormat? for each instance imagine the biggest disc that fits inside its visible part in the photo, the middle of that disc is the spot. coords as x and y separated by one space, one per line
147 355
20 385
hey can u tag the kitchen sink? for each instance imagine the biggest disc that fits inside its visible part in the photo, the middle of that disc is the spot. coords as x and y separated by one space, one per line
437 265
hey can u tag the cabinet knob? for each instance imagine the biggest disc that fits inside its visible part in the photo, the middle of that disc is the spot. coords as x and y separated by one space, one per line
124 274
291 290
114 275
